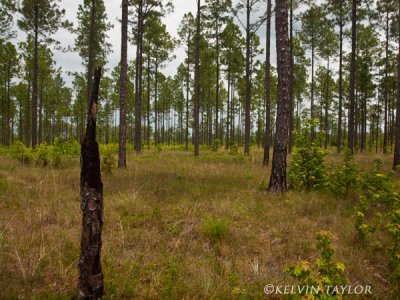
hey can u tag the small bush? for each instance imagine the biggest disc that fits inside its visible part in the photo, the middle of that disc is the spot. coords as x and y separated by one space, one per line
307 170
215 145
42 155
343 179
22 153
108 159
324 272
216 228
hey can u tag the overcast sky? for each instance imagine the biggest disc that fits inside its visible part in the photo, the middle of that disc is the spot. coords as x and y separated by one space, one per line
71 62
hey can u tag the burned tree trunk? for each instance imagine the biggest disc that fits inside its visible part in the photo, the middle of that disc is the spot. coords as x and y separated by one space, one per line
90 285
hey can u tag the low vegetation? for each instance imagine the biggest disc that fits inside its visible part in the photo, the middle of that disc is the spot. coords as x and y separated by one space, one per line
179 227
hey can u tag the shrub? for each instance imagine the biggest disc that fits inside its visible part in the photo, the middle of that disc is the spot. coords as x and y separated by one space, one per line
215 145
64 146
216 228
324 272
345 178
22 153
307 170
42 155
108 159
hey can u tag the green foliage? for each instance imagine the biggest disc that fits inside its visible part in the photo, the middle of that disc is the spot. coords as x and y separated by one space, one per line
307 170
343 179
363 229
216 228
68 147
324 272
215 145
22 153
108 158
233 148
42 155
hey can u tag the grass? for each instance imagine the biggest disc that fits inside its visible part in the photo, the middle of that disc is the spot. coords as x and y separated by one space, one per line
163 215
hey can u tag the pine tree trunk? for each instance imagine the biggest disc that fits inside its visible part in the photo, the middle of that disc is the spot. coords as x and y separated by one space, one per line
396 160
278 173
90 283
339 134
351 131
291 127
138 82
267 87
92 30
35 78
197 82
248 83
123 86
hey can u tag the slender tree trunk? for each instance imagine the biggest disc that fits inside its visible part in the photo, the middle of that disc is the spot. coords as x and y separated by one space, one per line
217 81
278 174
291 127
138 82
267 87
351 131
35 77
90 66
197 82
148 100
312 87
228 109
327 108
339 134
396 160
187 94
385 125
248 83
123 86
90 283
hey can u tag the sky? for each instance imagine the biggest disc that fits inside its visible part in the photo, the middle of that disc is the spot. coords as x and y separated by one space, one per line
71 62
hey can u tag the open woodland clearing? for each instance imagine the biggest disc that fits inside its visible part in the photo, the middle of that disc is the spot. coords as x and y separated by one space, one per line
155 243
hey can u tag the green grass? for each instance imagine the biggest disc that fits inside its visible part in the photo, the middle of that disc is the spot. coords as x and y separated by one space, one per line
163 216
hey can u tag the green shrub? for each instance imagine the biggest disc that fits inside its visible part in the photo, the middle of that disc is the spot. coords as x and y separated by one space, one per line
343 179
324 272
68 147
216 228
233 148
22 153
108 159
215 145
307 170
42 155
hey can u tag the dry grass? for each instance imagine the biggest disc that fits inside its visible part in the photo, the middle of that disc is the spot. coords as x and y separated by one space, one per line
154 244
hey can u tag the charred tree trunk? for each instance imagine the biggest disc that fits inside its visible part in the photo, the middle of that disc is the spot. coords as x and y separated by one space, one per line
278 174
90 285
123 86
35 78
267 88
339 134
248 83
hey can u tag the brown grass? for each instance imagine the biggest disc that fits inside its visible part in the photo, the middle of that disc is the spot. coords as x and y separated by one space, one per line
154 244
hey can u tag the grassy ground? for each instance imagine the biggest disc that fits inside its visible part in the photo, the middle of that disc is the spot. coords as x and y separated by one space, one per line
155 241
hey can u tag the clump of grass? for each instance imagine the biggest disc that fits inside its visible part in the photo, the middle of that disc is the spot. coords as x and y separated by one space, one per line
216 228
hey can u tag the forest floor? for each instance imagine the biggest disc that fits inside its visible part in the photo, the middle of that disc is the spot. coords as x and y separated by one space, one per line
157 241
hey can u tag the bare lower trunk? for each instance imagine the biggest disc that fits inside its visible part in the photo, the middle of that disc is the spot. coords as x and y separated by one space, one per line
197 83
351 133
90 283
278 174
396 160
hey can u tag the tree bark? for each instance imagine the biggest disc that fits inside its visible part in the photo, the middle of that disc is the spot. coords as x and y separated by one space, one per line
248 83
90 283
91 52
351 130
123 86
267 88
278 174
35 78
396 160
339 135
197 82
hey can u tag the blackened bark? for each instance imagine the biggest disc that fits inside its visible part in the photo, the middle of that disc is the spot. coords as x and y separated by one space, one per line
123 86
351 133
278 174
90 285
396 160
267 88
197 83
